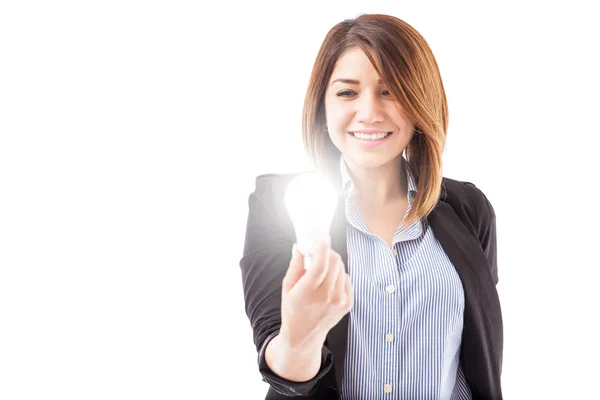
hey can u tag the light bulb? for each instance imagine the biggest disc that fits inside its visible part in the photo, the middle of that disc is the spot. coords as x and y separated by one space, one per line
311 201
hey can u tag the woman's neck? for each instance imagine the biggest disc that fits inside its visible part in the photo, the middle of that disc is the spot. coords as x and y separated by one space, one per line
379 186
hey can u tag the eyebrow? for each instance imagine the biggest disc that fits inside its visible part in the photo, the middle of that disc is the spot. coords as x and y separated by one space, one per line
351 81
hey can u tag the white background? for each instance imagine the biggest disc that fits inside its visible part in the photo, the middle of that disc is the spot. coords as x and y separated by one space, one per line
131 134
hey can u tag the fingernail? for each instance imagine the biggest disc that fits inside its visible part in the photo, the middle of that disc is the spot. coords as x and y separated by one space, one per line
294 250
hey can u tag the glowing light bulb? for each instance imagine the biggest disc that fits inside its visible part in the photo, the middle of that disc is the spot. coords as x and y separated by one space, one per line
310 200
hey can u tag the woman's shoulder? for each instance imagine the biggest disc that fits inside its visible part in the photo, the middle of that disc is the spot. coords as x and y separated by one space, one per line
474 209
465 195
266 204
269 190
462 190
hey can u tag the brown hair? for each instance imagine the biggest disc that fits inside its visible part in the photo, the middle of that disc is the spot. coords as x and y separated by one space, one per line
408 69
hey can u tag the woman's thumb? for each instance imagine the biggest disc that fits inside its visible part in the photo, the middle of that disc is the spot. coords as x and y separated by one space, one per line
295 270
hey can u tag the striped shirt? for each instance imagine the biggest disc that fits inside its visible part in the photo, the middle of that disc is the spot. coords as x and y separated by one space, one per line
405 328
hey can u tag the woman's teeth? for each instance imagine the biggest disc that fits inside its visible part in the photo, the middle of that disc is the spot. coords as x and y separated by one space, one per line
364 136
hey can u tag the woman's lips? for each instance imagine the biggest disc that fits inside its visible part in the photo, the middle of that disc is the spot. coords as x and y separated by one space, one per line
370 140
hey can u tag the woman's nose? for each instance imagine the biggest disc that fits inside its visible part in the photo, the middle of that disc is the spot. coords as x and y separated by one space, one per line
369 109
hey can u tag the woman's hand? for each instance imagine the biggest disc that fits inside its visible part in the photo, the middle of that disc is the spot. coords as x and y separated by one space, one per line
313 301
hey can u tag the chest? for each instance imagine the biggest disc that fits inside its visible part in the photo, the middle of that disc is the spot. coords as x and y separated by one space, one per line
410 290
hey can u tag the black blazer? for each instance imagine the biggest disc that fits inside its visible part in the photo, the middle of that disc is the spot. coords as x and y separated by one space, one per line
464 223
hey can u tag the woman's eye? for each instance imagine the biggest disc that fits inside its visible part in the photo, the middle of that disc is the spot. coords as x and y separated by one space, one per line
345 93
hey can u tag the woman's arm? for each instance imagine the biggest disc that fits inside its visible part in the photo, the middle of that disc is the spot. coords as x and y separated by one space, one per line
267 253
485 224
297 365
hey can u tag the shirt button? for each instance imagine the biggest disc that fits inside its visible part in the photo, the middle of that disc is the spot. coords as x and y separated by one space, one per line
395 252
387 388
390 289
389 338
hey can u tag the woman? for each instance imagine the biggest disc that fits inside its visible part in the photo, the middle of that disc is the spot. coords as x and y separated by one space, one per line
402 302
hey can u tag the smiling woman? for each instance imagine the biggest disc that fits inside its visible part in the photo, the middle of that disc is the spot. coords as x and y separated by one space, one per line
365 103
402 300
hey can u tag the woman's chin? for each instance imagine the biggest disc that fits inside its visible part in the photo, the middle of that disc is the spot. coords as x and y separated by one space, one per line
370 161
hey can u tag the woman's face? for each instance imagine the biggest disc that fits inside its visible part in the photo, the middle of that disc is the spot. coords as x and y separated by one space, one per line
363 121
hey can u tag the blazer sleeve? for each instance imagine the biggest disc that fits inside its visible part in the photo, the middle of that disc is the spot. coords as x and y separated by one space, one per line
267 254
485 225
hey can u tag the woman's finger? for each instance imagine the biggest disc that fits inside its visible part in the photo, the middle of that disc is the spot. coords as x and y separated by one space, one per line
335 264
348 291
319 265
295 270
